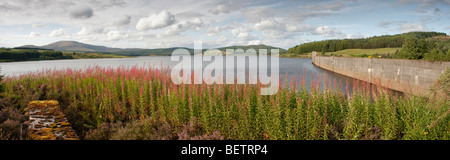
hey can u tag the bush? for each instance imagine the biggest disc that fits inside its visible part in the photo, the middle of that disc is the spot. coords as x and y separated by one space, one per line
147 129
442 85
11 114
150 129
10 123
10 130
103 132
195 131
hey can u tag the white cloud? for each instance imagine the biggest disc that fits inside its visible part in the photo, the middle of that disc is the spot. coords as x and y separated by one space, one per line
156 21
273 29
269 24
241 33
37 25
116 35
329 32
194 24
256 14
90 30
212 31
223 8
58 33
222 39
299 28
355 36
254 42
32 35
303 40
413 27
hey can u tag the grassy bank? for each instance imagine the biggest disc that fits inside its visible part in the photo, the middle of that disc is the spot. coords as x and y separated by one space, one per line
296 55
30 54
383 52
143 103
364 52
82 55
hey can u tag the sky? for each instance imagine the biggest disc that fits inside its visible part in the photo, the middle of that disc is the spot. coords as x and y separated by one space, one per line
217 23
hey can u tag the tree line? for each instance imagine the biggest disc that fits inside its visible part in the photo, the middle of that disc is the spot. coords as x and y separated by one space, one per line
11 55
385 41
427 49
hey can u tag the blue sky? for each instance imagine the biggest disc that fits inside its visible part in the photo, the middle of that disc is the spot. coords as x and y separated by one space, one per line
218 23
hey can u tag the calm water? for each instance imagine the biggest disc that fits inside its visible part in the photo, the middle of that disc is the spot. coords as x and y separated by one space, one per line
290 66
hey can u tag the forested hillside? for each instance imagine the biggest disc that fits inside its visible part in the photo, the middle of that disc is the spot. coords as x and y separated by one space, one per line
385 41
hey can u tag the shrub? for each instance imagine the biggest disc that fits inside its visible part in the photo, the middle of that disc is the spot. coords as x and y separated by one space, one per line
442 85
10 129
195 131
148 129
11 121
103 132
11 114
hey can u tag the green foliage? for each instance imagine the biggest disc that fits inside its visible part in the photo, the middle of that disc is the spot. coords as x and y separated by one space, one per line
7 55
386 41
426 49
413 49
82 55
30 54
442 85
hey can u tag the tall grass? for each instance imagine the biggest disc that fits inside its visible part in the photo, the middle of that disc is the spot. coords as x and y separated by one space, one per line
96 95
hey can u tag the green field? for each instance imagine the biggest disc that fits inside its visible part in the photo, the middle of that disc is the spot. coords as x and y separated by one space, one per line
349 53
81 55
363 52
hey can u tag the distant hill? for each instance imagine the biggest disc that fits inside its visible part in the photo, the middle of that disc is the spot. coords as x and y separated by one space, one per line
385 41
71 46
28 47
77 47
74 46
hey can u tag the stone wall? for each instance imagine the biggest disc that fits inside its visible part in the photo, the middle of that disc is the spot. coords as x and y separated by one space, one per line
408 76
47 122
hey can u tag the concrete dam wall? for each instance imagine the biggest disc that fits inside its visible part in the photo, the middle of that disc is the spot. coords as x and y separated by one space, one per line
408 76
